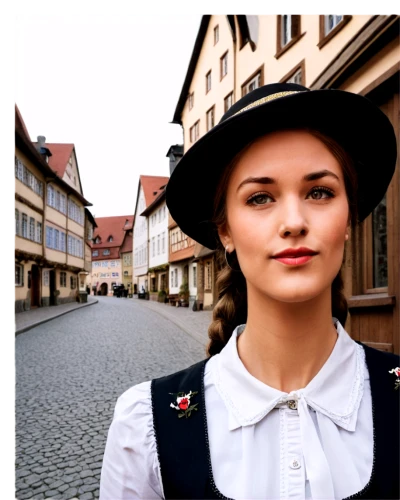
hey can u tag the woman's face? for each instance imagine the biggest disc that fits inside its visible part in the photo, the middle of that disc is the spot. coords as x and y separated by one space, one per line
287 193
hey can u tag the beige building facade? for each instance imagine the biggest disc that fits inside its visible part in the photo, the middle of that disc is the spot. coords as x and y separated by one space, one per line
50 260
361 53
112 240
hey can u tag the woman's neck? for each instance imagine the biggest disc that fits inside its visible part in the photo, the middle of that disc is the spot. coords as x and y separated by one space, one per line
286 344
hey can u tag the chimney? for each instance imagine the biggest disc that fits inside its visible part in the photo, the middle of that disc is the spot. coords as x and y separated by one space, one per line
174 154
41 147
41 141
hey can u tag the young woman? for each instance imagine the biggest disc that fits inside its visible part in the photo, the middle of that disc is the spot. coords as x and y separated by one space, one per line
286 405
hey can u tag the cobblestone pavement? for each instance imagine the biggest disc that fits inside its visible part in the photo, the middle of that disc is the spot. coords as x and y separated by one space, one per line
28 319
69 374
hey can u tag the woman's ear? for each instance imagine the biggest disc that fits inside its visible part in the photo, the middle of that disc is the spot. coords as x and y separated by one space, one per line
225 237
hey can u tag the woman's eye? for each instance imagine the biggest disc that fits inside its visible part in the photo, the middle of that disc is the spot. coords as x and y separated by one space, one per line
259 199
321 193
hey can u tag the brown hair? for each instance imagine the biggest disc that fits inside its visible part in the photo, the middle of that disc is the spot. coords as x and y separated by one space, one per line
231 308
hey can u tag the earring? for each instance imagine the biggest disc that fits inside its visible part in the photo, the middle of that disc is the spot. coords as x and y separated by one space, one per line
226 259
346 237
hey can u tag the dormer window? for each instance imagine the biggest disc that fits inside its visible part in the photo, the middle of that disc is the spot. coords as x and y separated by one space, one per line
110 239
98 239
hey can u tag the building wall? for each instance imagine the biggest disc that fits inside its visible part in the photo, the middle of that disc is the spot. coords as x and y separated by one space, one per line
71 175
106 271
127 261
244 62
140 245
209 59
158 228
175 277
58 218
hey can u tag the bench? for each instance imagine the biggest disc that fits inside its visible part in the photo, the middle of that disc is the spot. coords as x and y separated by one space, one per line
173 299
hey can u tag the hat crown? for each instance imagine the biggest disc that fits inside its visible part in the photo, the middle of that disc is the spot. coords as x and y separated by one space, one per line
263 92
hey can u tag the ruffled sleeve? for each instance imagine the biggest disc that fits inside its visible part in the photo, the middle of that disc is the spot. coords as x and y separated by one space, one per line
131 468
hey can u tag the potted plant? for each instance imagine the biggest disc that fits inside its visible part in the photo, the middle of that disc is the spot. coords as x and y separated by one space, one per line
184 294
161 296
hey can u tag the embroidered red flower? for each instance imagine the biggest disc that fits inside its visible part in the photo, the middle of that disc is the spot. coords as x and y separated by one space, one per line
183 403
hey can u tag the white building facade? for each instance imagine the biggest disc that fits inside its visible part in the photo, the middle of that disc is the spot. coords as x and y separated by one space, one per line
140 244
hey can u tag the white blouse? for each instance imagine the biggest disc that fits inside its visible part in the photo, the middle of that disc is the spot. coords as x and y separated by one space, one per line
313 443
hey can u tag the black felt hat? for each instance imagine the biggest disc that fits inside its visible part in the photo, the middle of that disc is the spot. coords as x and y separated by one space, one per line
355 122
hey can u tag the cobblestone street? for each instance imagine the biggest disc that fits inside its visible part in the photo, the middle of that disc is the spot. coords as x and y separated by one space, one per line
69 374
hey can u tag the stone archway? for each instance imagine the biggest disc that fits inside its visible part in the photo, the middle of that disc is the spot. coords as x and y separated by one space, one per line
104 289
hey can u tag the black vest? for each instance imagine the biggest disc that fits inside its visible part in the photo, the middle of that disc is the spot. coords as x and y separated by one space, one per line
183 448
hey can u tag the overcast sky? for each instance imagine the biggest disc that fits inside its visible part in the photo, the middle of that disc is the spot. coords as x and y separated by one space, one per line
108 83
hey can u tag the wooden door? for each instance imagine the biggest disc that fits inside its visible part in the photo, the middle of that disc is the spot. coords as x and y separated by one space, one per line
374 307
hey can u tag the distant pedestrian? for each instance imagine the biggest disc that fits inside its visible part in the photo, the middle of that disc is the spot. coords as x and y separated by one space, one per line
286 405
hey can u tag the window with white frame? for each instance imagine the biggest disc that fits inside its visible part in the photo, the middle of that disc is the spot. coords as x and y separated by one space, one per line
252 84
32 228
23 174
175 277
331 21
63 242
194 276
24 226
95 253
153 246
158 244
56 236
19 275
17 229
38 232
51 197
163 242
75 212
63 203
75 246
106 251
63 279
57 199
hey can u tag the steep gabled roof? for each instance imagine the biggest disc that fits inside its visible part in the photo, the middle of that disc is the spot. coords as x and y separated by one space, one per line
24 143
157 201
198 44
107 226
152 186
205 20
61 153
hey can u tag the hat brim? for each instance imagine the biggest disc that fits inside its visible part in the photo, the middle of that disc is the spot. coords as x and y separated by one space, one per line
356 123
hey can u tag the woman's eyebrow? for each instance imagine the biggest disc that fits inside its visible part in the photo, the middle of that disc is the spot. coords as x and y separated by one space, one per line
313 176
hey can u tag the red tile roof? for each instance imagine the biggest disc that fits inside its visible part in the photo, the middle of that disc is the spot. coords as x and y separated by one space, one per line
61 153
111 226
152 186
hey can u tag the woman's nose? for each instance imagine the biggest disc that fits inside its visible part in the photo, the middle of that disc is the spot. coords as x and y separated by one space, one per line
293 220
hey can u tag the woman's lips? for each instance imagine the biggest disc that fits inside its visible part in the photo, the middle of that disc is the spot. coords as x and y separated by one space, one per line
295 261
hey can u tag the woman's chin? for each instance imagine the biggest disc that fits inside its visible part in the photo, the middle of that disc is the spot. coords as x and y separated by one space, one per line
298 292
